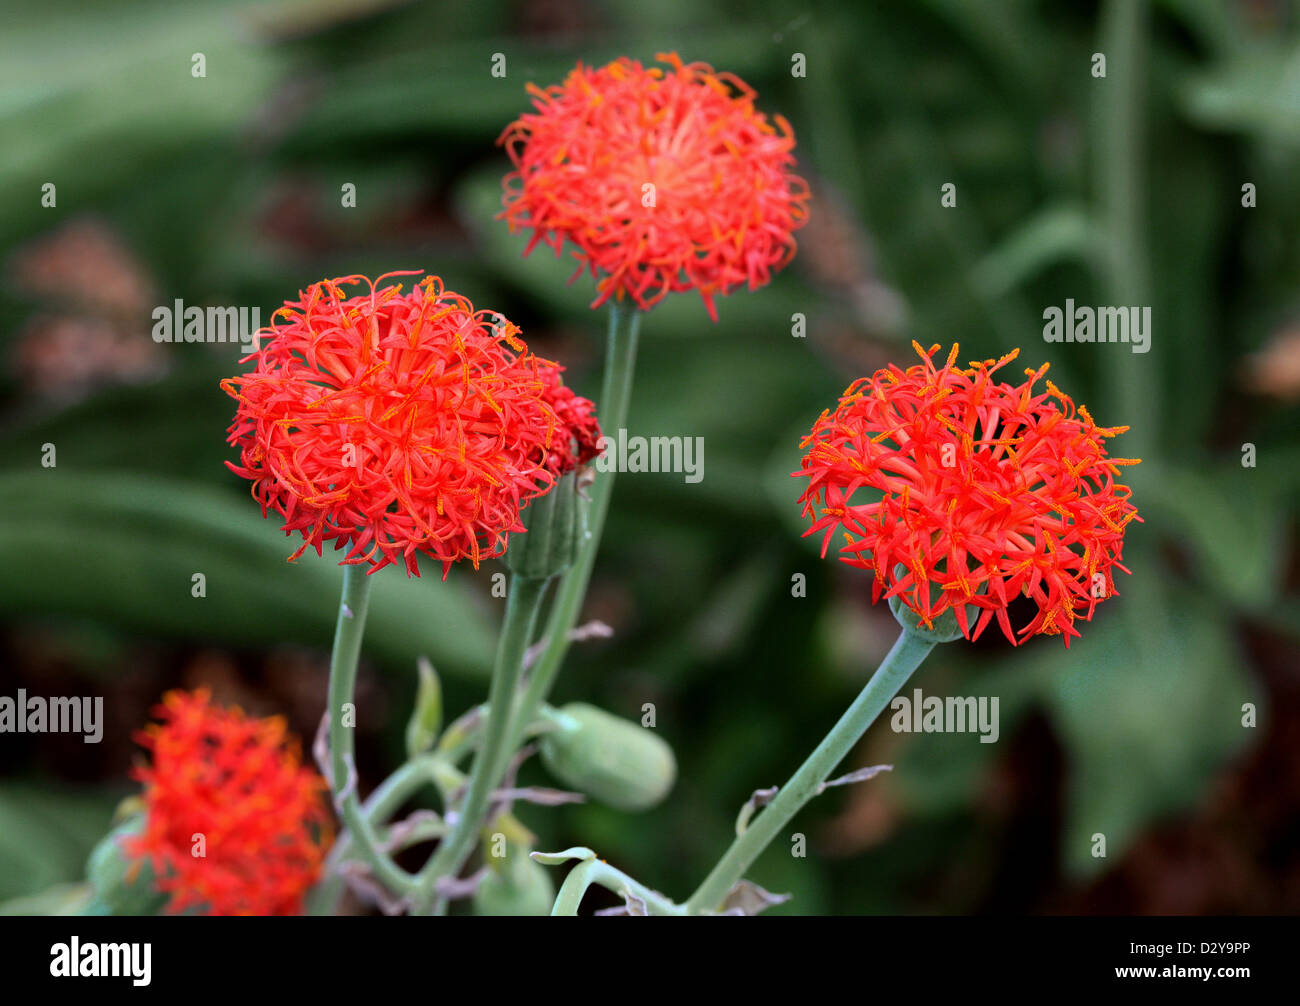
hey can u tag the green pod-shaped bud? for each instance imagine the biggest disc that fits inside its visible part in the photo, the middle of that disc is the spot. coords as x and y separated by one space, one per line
556 526
515 885
122 884
614 760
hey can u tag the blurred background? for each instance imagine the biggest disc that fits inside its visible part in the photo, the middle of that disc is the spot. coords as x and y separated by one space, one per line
1124 190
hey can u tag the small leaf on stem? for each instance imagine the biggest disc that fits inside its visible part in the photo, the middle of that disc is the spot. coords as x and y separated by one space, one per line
426 719
759 798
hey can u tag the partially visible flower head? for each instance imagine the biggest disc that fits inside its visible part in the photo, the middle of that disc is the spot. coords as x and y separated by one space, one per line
393 423
979 489
664 179
577 419
235 783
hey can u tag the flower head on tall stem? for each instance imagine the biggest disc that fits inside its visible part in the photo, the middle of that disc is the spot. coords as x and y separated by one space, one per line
977 490
237 783
663 178
394 423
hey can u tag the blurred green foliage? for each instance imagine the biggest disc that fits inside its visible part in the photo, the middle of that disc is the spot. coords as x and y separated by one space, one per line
225 190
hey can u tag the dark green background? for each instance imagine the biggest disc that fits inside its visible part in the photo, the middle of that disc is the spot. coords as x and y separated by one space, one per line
1122 190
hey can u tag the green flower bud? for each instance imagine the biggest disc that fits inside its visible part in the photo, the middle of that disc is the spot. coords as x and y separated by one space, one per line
426 719
557 526
123 885
515 885
613 760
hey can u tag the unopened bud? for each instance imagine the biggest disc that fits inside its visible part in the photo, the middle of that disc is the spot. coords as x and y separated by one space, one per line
515 885
556 526
123 884
611 759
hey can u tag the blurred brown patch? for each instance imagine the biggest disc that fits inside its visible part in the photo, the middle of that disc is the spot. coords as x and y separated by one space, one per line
557 19
836 253
93 330
65 357
873 810
84 264
299 215
1275 370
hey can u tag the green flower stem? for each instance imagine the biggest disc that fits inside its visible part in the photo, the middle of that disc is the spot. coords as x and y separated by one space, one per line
615 396
350 628
1133 381
594 871
382 804
904 658
522 605
427 769
1120 146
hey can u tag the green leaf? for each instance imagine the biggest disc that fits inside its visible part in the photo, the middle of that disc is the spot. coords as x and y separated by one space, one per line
1234 526
127 103
1053 234
1148 713
61 899
1256 93
426 719
125 549
46 833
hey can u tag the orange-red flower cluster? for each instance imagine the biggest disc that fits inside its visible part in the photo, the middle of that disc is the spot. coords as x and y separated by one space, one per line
394 423
663 179
577 415
979 489
234 823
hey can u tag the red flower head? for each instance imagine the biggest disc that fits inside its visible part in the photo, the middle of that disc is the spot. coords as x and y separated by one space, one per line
664 179
237 782
393 423
983 489
577 416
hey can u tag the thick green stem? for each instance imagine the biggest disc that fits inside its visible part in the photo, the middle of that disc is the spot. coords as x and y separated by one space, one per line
350 628
615 395
904 658
378 808
522 604
1133 381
